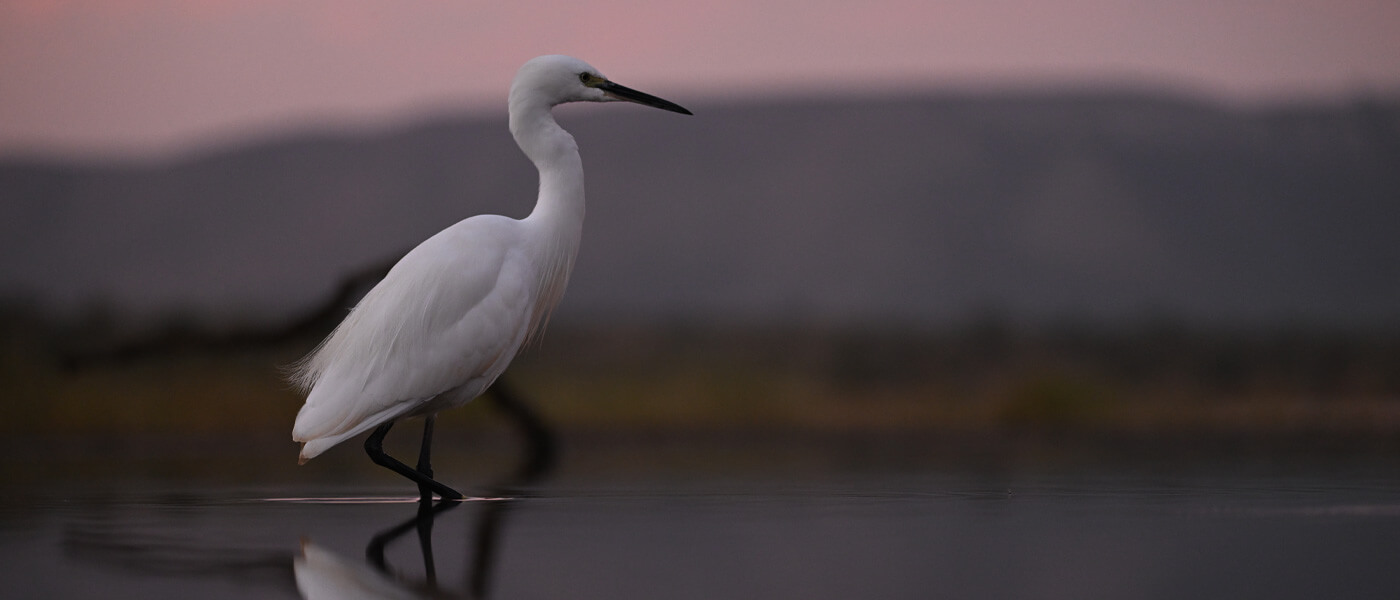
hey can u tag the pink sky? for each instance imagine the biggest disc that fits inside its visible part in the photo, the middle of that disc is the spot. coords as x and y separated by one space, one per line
161 75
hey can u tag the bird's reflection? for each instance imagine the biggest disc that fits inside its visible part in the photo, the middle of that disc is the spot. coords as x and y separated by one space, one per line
321 573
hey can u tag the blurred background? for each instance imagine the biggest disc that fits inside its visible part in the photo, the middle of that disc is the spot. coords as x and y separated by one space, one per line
949 231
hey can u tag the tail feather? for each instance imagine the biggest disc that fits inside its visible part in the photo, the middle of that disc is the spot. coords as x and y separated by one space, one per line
313 446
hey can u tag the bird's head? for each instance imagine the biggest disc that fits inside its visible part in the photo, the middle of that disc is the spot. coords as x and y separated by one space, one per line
556 79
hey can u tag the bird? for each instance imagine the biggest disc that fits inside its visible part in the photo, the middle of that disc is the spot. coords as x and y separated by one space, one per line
449 317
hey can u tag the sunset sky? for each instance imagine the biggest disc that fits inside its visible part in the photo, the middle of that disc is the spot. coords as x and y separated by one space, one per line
159 76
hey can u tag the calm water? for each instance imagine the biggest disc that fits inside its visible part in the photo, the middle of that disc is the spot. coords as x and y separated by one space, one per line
1212 531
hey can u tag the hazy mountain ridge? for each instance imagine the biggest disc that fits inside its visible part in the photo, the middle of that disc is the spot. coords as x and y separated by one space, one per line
1100 206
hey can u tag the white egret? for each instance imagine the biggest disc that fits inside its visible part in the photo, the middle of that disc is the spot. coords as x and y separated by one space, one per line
449 317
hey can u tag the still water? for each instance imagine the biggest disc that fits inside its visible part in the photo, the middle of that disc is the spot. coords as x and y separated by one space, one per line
1222 530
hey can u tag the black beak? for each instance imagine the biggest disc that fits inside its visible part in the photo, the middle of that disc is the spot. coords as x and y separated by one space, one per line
622 92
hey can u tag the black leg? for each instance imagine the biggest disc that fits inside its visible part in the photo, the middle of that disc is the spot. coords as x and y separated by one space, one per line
374 446
425 464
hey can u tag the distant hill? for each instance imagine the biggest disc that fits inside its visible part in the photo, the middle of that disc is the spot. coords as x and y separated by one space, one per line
1097 206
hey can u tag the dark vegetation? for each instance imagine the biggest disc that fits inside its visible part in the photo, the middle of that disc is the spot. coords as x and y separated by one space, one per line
88 377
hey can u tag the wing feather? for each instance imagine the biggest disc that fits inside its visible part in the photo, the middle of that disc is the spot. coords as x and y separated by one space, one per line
447 318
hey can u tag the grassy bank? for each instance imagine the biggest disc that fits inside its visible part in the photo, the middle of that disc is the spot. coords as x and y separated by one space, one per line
983 377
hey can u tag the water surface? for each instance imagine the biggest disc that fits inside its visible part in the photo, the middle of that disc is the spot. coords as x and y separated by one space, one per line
1209 531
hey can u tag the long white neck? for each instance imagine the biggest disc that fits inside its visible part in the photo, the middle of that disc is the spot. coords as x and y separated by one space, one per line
555 155
557 219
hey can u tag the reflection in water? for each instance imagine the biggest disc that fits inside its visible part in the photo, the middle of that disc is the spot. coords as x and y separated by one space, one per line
321 573
423 523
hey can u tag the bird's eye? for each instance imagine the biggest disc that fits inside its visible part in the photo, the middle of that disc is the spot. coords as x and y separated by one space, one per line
585 78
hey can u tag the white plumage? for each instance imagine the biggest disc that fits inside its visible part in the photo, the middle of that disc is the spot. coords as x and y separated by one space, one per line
449 317
440 327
